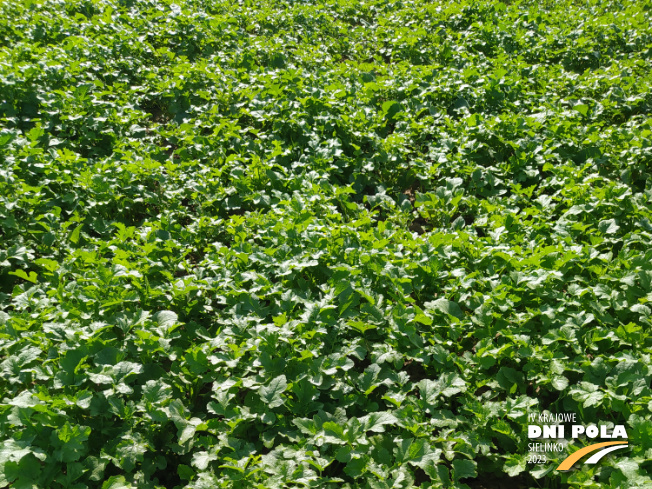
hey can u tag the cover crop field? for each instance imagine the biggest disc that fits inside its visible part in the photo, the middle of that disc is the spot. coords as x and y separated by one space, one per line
340 244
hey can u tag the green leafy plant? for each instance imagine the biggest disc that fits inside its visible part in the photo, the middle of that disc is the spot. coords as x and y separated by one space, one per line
274 243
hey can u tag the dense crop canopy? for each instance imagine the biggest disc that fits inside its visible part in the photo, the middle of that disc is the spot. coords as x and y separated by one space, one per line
341 244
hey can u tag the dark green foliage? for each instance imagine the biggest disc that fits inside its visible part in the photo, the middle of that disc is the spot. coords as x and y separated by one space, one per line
336 245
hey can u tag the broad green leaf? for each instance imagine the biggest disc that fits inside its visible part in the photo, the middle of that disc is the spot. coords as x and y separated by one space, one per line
376 422
117 482
202 459
75 234
32 277
271 393
464 469
608 226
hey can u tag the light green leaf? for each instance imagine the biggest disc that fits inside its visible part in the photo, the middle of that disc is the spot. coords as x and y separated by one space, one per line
32 277
608 226
271 393
376 421
75 234
202 459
